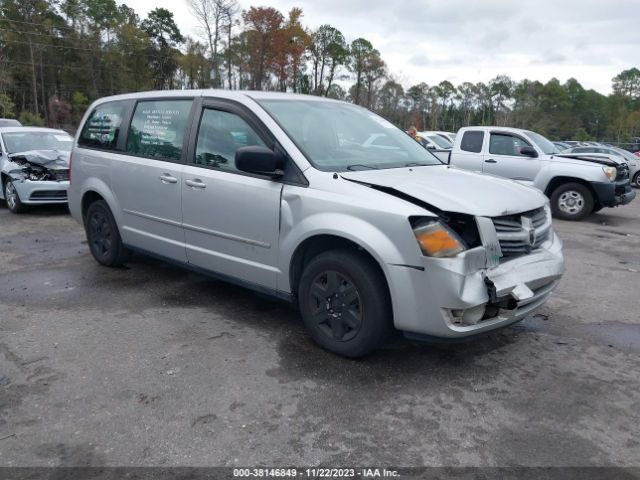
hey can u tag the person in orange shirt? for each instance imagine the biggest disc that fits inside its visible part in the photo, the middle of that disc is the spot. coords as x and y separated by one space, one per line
413 131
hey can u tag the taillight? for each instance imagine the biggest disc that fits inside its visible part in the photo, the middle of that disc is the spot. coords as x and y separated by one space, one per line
70 159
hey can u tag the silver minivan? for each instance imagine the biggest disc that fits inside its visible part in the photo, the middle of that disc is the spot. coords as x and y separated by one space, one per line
286 195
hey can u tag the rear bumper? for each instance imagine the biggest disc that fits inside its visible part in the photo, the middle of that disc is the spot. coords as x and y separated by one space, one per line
613 194
41 192
431 302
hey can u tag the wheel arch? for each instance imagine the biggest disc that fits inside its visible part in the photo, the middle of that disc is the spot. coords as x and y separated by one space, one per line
316 244
3 178
89 197
555 182
93 189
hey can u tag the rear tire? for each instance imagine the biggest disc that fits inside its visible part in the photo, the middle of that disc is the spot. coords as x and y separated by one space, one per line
12 199
345 303
103 235
571 201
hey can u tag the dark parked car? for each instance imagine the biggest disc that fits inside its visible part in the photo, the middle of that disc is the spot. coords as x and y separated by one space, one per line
632 147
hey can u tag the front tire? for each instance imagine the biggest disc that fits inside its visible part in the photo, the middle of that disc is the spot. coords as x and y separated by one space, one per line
636 180
12 199
345 304
571 201
103 235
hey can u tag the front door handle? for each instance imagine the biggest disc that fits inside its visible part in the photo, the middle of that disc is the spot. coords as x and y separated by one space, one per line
166 178
196 183
491 160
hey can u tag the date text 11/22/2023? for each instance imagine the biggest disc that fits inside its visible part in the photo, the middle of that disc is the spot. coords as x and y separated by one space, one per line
315 472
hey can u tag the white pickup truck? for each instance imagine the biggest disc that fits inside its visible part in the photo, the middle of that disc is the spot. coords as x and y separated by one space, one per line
576 184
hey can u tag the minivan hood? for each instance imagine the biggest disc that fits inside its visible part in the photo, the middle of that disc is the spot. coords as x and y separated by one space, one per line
452 190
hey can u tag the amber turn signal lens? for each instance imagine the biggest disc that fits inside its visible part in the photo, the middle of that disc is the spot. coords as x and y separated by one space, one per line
436 240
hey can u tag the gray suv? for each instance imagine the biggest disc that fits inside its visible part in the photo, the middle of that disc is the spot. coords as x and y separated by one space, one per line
286 195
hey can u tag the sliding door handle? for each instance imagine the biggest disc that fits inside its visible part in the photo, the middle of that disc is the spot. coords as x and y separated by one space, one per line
167 178
195 183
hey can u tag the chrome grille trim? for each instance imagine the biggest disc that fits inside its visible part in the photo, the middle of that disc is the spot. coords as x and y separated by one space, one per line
516 232
52 195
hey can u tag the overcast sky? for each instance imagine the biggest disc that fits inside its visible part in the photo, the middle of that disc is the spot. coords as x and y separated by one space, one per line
465 40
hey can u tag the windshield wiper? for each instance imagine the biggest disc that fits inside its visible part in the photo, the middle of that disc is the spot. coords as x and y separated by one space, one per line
415 164
353 167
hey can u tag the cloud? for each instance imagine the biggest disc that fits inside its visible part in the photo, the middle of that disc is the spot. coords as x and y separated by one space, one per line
550 58
474 40
419 60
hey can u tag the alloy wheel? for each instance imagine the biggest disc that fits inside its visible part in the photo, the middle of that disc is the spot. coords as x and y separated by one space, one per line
100 233
336 305
10 195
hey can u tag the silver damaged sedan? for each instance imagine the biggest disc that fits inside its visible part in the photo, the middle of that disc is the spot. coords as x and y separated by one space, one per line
34 166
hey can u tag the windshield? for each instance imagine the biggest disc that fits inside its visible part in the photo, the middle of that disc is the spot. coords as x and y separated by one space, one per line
17 142
441 142
337 136
543 144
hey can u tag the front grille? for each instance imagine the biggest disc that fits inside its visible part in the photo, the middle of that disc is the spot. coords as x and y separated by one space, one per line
522 233
48 195
61 175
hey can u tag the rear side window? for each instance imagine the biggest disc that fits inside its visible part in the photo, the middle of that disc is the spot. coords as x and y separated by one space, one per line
472 142
103 126
158 129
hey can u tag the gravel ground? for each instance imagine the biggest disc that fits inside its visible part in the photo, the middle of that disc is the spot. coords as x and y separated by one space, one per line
150 365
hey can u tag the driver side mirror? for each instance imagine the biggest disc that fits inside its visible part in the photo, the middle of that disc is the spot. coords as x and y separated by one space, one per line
528 152
259 160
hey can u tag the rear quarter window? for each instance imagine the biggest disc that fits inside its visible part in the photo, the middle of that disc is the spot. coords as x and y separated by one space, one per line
158 129
103 126
472 142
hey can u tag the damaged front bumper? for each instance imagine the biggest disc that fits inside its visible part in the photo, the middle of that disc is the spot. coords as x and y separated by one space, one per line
35 192
613 194
458 297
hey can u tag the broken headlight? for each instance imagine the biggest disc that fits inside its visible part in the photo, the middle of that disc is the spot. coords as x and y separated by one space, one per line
33 172
37 175
436 239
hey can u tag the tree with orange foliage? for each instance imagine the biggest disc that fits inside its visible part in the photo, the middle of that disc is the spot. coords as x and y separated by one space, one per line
263 25
298 43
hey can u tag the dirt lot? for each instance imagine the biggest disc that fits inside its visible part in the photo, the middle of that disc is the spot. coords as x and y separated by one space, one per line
152 365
